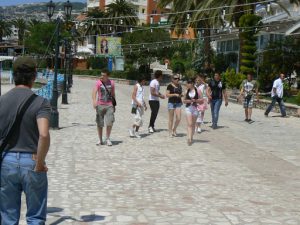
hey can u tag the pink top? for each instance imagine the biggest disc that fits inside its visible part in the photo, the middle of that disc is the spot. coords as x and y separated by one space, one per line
103 97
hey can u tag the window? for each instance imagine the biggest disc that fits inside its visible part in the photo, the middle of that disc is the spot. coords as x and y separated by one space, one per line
229 46
236 45
223 46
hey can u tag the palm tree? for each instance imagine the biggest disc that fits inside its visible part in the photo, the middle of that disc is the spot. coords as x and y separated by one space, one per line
122 15
21 25
5 29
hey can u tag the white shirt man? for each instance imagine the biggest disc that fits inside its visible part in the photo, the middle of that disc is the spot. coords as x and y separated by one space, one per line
277 88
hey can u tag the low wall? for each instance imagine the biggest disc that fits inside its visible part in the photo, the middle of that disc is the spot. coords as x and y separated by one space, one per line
291 109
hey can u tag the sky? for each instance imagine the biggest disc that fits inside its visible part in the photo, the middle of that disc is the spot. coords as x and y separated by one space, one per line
17 2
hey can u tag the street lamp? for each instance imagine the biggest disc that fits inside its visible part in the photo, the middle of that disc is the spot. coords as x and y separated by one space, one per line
54 122
50 9
68 12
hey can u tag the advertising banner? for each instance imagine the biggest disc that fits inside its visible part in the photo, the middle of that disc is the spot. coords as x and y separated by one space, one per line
109 46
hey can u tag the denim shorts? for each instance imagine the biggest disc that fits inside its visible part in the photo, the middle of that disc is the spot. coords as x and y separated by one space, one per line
174 105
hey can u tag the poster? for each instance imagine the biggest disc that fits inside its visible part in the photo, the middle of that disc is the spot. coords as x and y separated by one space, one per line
109 46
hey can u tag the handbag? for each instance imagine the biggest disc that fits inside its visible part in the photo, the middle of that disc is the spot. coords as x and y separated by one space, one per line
15 126
113 99
134 109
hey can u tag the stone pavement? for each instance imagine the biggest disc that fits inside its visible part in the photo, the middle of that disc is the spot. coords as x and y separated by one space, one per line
239 174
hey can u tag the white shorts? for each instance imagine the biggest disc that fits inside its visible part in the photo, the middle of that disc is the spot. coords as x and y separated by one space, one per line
192 110
138 117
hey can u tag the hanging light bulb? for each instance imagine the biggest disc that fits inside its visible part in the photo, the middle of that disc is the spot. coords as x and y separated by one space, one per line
110 28
121 21
224 11
92 23
131 30
188 16
151 30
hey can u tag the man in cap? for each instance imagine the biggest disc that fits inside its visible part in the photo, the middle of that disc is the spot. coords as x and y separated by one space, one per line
23 160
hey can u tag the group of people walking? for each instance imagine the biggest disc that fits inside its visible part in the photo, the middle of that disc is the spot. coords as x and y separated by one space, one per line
195 97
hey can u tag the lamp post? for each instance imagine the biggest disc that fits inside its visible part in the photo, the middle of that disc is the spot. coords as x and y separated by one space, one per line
54 121
68 11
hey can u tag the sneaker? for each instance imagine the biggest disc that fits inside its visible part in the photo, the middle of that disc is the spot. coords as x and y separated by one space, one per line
151 130
100 143
199 130
108 142
266 114
246 120
137 135
131 133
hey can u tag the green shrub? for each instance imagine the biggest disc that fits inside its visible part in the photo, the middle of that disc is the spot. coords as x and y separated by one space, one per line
232 79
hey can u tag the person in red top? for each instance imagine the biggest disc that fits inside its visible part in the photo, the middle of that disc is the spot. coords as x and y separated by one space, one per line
102 95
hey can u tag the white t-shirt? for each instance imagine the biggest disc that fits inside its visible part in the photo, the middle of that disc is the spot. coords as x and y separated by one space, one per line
154 84
139 95
278 84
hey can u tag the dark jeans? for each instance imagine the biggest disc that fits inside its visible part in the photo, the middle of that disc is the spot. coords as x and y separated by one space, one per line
280 103
215 106
154 106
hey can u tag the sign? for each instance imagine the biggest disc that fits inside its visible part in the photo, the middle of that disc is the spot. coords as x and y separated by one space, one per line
109 46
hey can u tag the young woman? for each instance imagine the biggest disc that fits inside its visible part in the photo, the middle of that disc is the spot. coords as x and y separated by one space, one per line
138 107
202 89
191 99
174 94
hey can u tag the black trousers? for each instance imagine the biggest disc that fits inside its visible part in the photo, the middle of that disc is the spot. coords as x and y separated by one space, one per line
154 106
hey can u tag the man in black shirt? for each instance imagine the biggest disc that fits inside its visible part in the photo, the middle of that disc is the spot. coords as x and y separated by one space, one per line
216 91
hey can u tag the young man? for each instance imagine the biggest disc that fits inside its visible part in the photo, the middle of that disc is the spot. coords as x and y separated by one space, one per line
216 93
23 167
138 107
277 96
154 97
249 87
103 94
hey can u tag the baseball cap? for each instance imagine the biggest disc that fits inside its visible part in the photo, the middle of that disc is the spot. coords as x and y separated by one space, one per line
24 64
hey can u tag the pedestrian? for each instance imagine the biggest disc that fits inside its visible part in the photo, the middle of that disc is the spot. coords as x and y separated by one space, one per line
202 88
249 87
174 94
277 96
138 106
154 97
191 99
216 94
23 167
103 101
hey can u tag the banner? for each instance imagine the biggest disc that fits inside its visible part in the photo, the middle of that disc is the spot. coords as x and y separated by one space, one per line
109 46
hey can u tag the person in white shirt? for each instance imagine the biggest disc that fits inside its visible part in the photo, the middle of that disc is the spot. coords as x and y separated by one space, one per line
277 96
154 97
138 106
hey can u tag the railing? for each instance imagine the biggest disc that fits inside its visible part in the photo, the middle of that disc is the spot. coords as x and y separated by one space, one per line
46 90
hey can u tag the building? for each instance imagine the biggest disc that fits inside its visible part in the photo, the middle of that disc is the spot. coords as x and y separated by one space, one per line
277 24
143 9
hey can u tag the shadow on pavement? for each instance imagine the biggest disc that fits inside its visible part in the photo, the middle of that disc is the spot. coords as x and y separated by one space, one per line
201 141
63 219
160 130
116 142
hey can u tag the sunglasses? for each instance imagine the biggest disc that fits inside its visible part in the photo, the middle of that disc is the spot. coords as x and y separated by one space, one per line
176 78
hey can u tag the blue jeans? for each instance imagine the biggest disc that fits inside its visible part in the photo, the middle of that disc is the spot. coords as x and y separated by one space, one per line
280 103
215 106
18 175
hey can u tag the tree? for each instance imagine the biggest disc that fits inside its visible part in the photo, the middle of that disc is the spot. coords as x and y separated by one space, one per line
122 15
21 25
5 29
40 37
248 61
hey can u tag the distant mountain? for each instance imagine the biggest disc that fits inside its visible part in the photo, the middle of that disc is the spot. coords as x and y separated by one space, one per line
36 10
